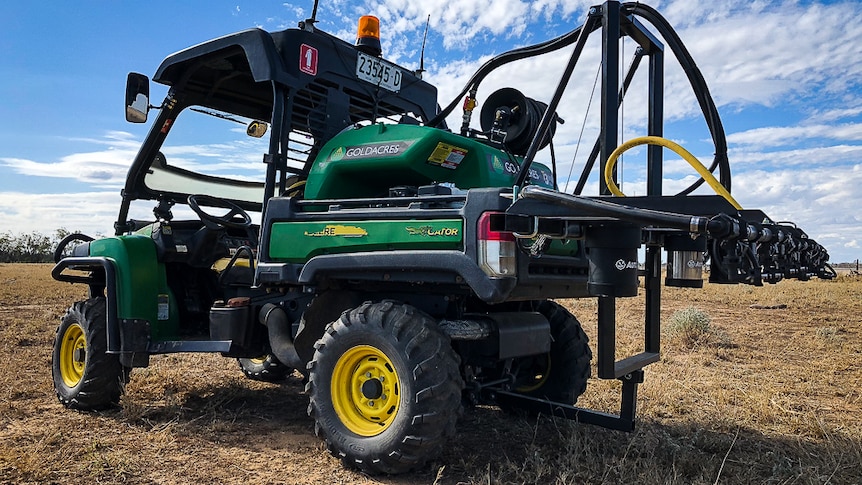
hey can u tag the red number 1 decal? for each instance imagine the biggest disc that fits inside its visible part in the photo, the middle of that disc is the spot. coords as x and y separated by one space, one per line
308 59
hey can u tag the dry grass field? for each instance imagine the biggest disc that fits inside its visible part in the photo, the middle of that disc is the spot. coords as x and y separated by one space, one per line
773 396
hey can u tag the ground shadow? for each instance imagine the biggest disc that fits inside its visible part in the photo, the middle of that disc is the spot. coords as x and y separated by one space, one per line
491 446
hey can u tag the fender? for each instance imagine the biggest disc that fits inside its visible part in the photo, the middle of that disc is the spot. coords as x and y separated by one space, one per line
140 305
93 265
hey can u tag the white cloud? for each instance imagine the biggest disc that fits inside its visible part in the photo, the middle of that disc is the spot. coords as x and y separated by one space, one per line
801 158
456 21
819 199
101 169
776 51
770 136
89 212
834 114
802 57
108 168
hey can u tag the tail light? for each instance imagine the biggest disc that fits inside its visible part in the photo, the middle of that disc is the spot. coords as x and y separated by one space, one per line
496 249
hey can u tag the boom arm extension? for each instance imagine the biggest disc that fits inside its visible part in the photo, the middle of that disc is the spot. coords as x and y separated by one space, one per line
742 248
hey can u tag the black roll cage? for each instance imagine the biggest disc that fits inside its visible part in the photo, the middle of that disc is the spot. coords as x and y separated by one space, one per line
257 74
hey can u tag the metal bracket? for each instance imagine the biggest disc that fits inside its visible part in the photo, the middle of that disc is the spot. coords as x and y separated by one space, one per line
624 421
279 160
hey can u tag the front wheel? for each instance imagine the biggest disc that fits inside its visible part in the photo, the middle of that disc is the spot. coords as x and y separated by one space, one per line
266 368
85 376
384 388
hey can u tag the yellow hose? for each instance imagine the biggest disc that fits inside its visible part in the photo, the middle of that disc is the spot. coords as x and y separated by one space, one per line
688 157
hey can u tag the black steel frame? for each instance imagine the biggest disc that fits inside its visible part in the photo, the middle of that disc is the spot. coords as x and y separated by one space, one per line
614 26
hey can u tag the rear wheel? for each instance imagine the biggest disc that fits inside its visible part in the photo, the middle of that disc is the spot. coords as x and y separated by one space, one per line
266 368
384 388
560 375
85 375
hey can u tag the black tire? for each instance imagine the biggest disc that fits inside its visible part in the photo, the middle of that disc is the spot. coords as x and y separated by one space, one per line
561 375
85 376
397 355
266 368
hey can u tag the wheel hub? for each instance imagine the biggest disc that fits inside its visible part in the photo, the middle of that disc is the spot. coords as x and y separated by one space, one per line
372 389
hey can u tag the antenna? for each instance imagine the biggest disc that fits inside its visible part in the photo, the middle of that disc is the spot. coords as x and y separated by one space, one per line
313 18
308 24
422 52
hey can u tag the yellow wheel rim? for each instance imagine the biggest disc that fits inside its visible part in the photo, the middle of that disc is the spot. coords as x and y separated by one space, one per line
538 377
365 390
259 360
73 352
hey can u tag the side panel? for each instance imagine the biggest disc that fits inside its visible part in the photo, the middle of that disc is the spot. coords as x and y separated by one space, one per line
296 242
142 290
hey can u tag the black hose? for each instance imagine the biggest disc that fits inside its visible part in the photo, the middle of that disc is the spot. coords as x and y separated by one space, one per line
550 114
541 48
721 226
698 84
280 336
597 207
695 77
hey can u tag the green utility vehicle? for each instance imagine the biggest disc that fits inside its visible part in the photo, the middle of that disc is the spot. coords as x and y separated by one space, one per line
403 269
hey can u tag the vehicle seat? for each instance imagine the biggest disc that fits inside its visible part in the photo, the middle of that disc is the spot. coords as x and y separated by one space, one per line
295 187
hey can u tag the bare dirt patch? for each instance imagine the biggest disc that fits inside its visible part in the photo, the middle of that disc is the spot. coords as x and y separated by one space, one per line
781 402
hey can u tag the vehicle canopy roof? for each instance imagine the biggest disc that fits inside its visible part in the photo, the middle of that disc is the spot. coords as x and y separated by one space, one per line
313 73
237 74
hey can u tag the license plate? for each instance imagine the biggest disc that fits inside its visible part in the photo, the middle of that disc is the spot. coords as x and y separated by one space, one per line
378 72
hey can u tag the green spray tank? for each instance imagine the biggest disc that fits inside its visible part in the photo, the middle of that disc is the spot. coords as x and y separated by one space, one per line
369 161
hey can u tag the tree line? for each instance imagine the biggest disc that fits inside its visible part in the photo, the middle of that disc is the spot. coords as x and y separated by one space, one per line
36 247
32 247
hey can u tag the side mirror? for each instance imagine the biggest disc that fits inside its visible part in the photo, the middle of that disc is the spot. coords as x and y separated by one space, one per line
256 129
137 97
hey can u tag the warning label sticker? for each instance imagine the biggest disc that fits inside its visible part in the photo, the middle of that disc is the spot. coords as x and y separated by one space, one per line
447 156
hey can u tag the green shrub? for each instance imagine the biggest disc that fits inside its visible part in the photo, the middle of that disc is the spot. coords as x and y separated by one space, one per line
692 327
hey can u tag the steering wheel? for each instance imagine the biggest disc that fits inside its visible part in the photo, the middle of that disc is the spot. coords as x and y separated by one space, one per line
219 222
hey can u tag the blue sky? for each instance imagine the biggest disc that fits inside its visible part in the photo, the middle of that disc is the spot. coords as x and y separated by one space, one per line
785 76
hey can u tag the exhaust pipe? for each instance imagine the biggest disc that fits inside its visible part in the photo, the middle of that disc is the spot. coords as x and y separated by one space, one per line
280 339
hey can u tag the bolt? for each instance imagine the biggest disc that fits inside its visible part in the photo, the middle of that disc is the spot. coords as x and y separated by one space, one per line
371 404
383 397
381 378
368 375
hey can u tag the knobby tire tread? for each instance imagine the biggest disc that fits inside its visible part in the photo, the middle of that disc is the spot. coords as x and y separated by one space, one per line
104 378
271 370
570 359
433 368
